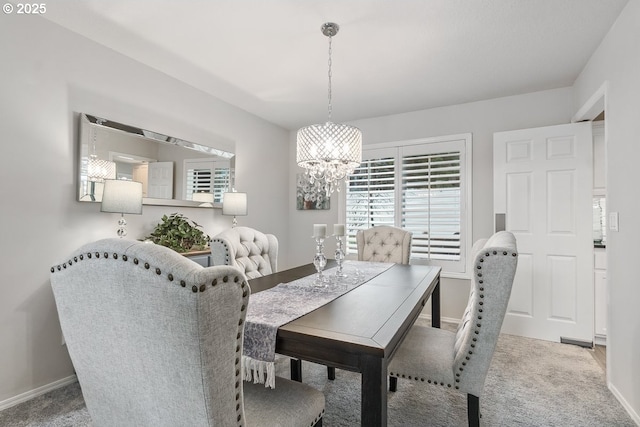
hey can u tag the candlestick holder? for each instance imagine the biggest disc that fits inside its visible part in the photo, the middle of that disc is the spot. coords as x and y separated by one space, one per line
320 261
339 256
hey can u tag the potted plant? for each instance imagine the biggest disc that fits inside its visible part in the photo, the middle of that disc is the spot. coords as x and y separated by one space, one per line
179 233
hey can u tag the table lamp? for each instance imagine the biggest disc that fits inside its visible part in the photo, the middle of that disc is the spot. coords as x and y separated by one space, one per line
234 203
123 197
205 199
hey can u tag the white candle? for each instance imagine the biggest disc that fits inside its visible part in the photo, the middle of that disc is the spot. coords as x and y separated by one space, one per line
338 229
319 230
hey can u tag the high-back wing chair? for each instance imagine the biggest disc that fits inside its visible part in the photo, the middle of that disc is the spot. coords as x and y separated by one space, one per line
253 252
460 360
381 243
384 243
156 340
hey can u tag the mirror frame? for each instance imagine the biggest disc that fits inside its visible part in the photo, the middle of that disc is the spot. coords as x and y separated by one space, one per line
87 121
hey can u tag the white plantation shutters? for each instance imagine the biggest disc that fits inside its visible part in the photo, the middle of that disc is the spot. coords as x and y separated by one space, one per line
221 181
371 194
206 176
421 186
431 204
198 181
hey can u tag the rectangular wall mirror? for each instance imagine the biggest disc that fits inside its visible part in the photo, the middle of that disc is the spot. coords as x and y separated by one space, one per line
173 172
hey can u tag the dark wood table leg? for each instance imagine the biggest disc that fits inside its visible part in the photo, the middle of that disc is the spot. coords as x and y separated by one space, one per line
331 373
296 369
373 410
435 306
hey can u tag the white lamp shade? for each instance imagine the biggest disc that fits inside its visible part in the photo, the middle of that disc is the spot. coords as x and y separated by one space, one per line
122 197
234 204
203 197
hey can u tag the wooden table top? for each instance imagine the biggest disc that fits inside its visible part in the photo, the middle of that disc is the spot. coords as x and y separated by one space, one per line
371 318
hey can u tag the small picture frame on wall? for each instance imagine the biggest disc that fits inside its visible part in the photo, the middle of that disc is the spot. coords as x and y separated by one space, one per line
311 196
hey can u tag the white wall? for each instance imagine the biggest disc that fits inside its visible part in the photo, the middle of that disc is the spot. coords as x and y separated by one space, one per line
482 119
46 74
617 62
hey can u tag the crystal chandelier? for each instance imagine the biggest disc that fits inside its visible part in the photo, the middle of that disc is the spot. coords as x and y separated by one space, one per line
329 151
98 169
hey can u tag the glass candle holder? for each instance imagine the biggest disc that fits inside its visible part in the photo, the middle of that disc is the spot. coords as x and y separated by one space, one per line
339 256
319 261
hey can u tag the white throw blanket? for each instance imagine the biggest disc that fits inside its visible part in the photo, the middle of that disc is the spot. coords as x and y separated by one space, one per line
272 308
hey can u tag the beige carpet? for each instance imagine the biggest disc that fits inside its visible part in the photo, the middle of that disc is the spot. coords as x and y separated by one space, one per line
530 383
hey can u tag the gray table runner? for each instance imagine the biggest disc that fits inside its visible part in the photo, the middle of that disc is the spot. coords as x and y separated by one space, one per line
272 308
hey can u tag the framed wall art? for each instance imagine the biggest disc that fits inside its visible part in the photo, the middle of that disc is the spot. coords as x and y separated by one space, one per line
311 196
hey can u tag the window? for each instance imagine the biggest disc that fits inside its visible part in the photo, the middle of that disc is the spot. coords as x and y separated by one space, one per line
423 186
206 177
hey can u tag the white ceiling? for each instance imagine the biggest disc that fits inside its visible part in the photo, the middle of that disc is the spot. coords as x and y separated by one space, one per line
269 57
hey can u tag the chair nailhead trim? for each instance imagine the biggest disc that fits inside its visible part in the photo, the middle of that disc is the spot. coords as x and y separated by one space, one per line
239 338
480 310
421 379
158 271
318 418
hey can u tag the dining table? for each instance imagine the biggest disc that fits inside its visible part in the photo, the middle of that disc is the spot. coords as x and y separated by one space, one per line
360 330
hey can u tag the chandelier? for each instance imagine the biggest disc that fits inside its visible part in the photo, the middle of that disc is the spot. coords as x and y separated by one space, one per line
330 151
98 169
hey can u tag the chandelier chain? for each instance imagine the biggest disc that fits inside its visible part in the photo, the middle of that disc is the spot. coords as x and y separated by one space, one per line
330 151
329 73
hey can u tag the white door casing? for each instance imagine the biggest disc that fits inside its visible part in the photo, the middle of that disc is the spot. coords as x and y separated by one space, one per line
543 183
141 174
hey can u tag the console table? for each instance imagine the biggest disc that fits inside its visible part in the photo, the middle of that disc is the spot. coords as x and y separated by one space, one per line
201 257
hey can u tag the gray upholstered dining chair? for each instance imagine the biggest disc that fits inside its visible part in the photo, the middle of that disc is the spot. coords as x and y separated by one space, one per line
384 243
253 252
381 243
156 340
460 360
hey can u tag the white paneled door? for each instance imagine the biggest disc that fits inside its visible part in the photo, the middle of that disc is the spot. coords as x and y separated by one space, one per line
160 180
543 185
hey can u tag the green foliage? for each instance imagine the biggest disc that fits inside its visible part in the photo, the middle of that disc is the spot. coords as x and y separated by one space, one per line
179 233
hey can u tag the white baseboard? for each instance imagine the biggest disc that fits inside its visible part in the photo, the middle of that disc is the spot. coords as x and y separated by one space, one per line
635 417
28 395
442 319
600 340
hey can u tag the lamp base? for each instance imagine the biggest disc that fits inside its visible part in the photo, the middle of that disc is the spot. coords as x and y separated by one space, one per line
122 226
